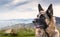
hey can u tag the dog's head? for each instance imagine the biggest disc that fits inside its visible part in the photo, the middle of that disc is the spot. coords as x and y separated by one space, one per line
43 17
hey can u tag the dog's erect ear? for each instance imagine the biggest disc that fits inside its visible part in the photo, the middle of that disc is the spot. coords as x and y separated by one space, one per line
50 11
39 7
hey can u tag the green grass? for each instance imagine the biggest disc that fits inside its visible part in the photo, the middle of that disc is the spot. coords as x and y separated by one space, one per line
20 33
59 29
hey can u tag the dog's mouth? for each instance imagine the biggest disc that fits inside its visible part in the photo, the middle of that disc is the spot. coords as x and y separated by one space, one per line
38 25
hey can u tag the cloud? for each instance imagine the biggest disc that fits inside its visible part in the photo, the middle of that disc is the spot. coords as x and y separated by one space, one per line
57 10
17 15
47 2
3 2
17 3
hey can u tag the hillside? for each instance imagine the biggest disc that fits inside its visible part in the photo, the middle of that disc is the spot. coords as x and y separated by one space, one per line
58 21
19 25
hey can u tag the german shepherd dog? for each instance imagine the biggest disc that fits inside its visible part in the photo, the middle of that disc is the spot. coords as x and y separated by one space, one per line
45 23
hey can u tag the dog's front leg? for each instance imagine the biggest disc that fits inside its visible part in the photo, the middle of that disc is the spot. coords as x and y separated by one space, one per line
56 33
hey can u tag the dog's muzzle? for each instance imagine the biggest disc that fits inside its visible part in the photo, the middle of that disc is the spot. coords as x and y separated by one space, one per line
38 24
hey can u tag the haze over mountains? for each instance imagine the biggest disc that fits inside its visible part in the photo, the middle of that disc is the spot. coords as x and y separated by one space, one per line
10 22
17 23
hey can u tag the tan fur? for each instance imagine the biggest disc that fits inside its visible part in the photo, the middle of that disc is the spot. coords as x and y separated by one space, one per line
51 30
39 33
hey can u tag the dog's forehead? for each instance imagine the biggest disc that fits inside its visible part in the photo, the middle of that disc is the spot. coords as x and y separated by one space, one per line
42 12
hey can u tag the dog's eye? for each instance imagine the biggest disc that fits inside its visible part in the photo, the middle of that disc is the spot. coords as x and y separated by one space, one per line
42 17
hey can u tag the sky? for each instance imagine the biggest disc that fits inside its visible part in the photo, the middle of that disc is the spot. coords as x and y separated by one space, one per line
25 9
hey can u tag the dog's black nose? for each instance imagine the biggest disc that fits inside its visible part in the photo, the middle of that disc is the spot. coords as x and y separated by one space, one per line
33 21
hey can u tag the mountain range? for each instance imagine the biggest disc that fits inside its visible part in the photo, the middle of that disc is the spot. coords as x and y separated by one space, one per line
18 23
